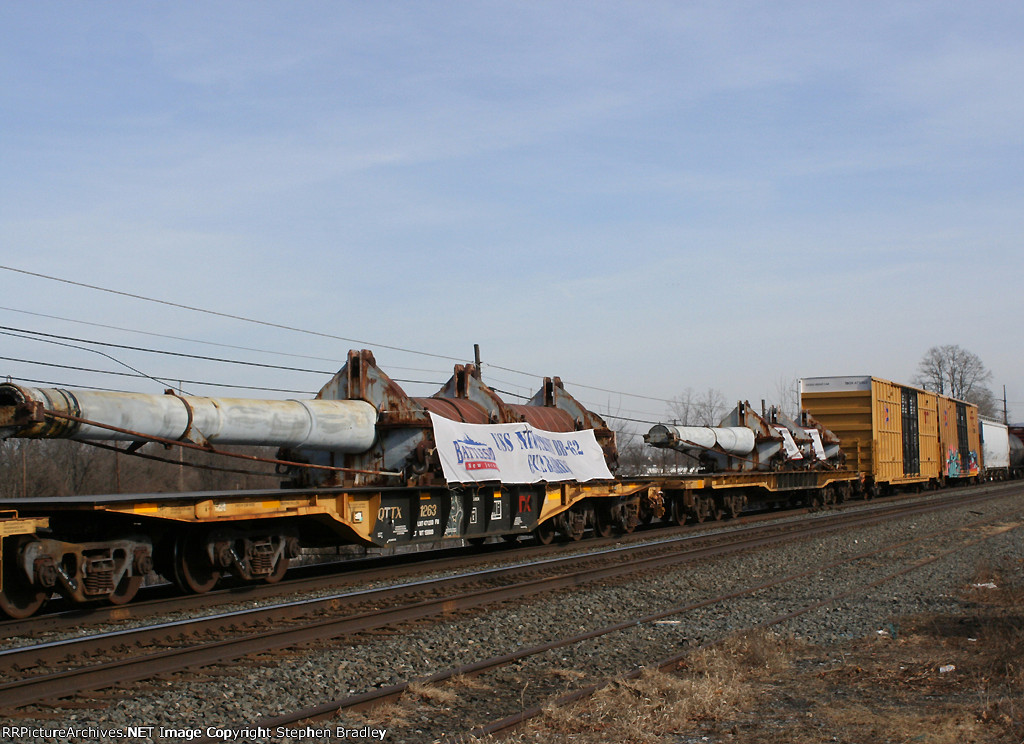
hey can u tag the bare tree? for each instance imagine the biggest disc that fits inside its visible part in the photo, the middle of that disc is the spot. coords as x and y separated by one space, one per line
954 371
787 395
56 467
634 455
986 401
682 407
710 408
12 467
693 409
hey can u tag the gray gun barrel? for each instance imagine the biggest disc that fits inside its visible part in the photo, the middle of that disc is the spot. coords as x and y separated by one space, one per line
736 440
347 426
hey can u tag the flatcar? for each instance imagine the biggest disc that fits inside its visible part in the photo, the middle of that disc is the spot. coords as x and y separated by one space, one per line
364 463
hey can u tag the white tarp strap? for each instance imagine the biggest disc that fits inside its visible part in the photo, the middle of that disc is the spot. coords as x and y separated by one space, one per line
792 451
516 453
819 448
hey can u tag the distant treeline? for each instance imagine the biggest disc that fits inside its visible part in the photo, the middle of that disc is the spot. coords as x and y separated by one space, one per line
55 467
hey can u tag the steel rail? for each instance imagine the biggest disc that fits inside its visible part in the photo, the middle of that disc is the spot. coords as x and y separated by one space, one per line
374 698
62 684
674 662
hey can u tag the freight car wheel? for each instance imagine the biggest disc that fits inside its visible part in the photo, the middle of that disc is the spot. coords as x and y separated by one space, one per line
645 513
19 598
603 521
628 519
126 590
19 602
733 506
545 532
706 508
279 571
192 569
680 514
574 524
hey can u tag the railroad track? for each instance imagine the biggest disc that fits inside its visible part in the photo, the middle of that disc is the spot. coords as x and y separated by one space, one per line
677 661
167 602
319 620
488 668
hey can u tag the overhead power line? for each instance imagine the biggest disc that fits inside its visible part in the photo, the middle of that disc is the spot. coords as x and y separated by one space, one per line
55 384
6 331
166 335
147 377
244 319
114 359
230 316
201 341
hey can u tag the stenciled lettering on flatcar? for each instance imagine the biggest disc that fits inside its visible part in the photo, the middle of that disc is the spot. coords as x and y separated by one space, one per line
525 502
389 513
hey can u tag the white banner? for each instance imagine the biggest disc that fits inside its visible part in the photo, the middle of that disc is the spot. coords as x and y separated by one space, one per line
516 453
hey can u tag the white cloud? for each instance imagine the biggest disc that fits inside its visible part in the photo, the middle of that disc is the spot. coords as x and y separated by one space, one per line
694 186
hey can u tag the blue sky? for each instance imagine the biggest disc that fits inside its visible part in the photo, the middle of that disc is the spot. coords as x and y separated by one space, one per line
641 198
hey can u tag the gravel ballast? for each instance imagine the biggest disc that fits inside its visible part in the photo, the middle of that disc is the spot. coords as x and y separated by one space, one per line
240 694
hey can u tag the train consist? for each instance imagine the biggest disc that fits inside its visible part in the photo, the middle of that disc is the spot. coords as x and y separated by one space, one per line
364 463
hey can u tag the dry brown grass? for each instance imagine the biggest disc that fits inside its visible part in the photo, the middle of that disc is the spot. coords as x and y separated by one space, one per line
388 715
878 689
713 686
441 695
404 711
468 682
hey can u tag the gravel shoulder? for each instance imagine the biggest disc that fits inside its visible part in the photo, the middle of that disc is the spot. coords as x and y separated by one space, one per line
935 677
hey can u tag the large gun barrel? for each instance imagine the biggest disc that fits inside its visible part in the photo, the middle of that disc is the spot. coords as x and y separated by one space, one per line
736 440
745 440
361 429
347 426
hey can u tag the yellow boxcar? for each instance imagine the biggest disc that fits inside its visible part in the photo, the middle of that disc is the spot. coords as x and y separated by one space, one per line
959 438
889 432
